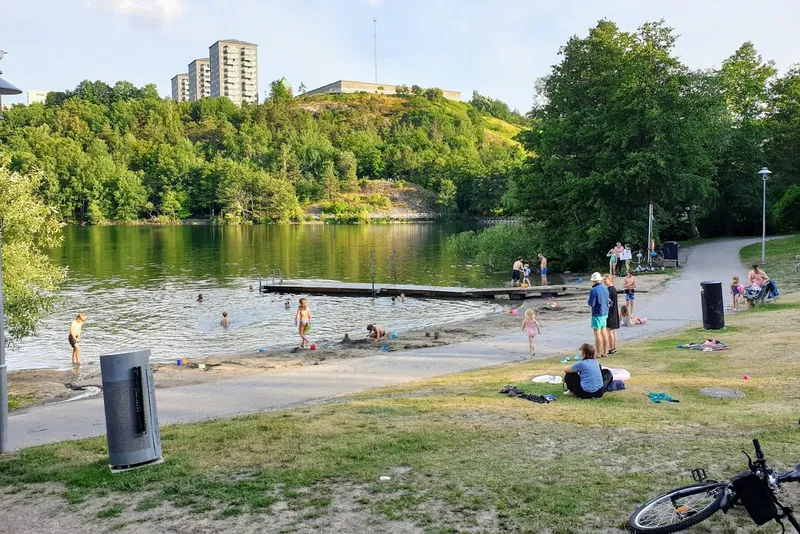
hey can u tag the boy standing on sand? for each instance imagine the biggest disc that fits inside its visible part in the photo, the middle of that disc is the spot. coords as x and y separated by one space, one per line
303 321
75 338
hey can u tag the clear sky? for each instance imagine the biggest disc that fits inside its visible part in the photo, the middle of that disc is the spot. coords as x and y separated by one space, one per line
498 47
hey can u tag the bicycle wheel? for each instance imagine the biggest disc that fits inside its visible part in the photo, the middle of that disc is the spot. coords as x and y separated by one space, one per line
671 513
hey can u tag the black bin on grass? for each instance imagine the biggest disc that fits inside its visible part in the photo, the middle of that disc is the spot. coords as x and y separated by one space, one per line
670 249
711 302
129 397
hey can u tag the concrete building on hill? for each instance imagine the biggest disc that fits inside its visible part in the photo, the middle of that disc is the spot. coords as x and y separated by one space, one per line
37 97
234 70
180 87
346 86
199 79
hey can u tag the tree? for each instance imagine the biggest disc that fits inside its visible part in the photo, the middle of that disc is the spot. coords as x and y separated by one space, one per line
434 93
416 90
346 165
280 91
402 90
622 123
744 84
330 183
28 228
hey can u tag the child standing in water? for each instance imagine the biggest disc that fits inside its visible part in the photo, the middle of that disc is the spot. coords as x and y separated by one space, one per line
526 275
531 327
735 292
303 321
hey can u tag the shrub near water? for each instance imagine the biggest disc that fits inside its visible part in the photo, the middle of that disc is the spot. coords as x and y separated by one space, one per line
495 247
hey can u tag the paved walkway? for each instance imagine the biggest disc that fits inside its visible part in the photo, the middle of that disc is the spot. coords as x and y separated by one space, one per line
676 306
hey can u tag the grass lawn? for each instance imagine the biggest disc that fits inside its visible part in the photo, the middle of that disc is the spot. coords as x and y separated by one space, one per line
781 264
460 456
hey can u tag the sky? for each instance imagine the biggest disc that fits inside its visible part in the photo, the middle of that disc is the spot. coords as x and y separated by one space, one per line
498 48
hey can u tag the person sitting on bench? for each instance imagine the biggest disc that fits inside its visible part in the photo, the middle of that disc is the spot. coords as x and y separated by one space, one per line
586 379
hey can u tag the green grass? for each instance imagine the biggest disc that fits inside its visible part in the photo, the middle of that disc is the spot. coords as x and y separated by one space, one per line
780 260
18 401
462 456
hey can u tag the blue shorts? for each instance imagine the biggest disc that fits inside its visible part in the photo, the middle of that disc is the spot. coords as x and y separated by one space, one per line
598 323
630 296
544 271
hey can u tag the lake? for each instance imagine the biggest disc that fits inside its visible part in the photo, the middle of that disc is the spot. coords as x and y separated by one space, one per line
138 286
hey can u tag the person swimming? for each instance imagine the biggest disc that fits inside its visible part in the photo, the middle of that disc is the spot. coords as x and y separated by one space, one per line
252 288
200 298
287 304
224 321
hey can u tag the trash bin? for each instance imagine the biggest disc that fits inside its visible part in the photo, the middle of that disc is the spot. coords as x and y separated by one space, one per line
134 439
711 302
670 249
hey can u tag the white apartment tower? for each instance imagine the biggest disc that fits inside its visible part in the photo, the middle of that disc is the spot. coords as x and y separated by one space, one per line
199 79
234 71
180 87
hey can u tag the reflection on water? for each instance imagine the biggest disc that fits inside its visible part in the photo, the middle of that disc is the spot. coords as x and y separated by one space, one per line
138 285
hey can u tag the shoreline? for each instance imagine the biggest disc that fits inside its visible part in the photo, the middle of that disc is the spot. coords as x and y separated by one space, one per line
34 387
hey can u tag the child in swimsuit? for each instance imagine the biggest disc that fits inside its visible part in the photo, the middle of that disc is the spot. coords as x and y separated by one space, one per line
303 321
735 292
630 320
526 275
531 327
612 261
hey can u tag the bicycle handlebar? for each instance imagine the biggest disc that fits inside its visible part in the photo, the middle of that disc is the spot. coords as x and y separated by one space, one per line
759 452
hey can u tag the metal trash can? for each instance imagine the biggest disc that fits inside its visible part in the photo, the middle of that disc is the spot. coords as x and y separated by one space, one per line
129 396
670 249
711 302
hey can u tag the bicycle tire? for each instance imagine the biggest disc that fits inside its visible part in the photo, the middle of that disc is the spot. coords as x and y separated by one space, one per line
635 522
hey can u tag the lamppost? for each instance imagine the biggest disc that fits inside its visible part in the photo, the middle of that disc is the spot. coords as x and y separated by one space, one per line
5 89
764 173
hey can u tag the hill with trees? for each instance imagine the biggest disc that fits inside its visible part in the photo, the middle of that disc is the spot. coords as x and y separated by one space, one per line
121 153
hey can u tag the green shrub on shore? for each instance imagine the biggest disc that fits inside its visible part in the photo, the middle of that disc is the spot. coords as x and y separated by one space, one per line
495 247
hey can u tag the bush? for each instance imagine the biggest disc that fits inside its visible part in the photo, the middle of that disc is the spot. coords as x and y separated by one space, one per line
495 247
378 200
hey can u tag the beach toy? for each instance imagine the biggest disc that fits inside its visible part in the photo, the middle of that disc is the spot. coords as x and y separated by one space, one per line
385 347
514 312
565 360
576 357
308 328
313 346
180 361
262 350
395 335
201 366
746 377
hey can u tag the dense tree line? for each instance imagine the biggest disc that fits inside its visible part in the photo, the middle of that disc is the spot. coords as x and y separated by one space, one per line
119 153
621 121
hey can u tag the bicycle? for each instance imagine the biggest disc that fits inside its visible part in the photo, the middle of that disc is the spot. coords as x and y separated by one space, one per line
641 255
684 507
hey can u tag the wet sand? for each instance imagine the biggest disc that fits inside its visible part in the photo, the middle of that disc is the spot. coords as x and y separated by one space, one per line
42 386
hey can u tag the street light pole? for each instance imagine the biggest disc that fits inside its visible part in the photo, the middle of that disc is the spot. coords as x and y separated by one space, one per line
764 173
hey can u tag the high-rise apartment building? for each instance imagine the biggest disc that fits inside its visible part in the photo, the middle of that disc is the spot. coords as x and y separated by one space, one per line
180 87
234 71
199 79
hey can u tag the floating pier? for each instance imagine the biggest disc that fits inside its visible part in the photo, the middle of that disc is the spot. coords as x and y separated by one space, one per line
351 289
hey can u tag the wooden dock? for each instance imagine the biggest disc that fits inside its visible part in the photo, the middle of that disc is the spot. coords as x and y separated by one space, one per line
350 289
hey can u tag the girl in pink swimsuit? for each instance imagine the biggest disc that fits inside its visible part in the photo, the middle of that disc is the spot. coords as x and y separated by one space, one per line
531 327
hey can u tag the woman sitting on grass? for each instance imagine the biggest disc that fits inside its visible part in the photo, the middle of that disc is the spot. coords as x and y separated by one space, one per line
586 379
630 320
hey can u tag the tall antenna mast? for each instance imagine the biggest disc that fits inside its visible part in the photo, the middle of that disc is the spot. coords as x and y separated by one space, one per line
375 45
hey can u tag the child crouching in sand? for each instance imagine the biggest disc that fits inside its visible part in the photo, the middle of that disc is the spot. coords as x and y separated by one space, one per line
630 320
531 327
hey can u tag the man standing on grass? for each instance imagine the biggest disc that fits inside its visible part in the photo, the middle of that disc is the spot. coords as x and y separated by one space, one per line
598 301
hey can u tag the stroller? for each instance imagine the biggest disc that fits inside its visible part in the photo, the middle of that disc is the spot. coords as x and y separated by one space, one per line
761 294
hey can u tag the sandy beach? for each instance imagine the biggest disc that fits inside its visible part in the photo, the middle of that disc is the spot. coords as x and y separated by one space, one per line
44 386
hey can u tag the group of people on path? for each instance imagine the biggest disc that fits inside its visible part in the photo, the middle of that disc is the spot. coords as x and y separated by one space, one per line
587 379
618 254
521 272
